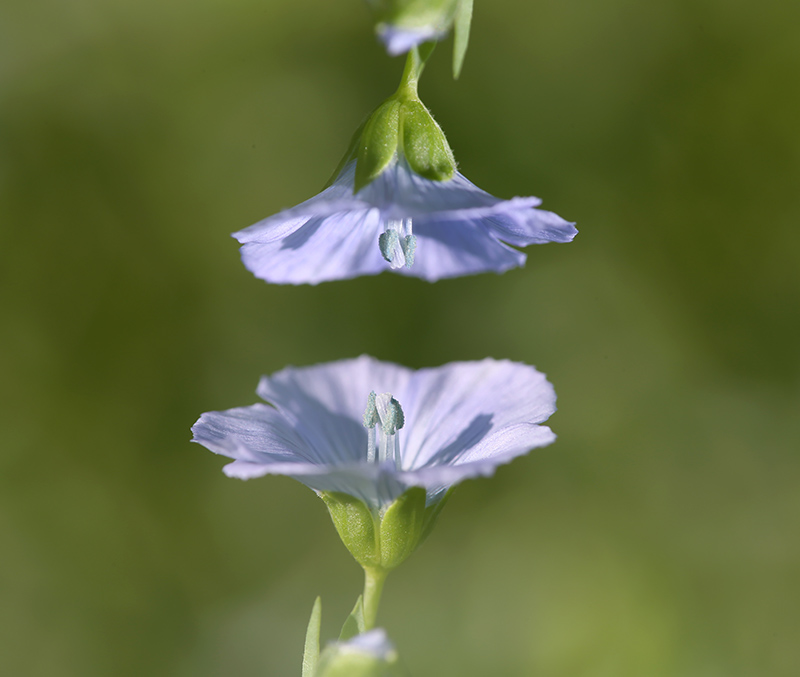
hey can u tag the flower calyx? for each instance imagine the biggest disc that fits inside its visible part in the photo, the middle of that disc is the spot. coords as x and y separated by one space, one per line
382 539
401 128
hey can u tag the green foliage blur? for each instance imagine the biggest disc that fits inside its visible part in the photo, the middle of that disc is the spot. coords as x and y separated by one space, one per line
657 537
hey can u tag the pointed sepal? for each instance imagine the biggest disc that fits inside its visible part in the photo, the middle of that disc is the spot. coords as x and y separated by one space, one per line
401 527
378 143
424 144
356 525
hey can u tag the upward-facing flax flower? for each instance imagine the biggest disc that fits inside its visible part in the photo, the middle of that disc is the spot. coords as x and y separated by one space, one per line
370 654
373 429
397 203
382 445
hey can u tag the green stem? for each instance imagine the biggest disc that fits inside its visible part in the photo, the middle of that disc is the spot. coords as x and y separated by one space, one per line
415 63
373 587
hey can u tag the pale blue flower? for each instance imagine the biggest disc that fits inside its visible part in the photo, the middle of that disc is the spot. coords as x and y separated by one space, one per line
399 221
405 24
398 40
374 429
370 654
374 643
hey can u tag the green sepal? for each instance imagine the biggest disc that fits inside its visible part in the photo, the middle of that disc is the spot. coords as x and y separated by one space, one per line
378 144
401 527
424 144
311 649
356 526
354 625
461 26
383 541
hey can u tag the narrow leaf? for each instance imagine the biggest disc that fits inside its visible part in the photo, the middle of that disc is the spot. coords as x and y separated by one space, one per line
461 26
311 650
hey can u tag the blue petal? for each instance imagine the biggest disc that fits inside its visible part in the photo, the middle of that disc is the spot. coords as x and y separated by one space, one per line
375 643
454 248
455 407
399 40
335 247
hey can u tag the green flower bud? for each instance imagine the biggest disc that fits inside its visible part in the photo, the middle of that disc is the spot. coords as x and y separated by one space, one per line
368 655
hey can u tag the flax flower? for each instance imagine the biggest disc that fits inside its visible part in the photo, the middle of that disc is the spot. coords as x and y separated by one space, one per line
373 429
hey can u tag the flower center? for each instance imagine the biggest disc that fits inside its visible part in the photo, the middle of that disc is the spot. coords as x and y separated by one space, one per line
397 243
383 417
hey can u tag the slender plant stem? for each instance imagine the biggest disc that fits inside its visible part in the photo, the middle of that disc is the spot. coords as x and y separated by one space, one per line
415 62
373 587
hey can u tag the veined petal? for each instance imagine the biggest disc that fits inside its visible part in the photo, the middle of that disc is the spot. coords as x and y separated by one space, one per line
332 247
479 460
454 248
456 406
530 226
415 196
338 197
254 434
325 403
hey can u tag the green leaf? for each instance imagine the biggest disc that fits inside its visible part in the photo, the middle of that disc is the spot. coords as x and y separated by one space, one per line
401 527
311 650
354 625
424 144
461 26
356 526
378 143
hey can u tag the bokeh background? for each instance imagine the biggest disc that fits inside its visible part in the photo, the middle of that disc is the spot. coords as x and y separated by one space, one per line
658 537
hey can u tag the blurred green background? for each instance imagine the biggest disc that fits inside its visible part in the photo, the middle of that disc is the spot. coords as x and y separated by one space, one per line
658 537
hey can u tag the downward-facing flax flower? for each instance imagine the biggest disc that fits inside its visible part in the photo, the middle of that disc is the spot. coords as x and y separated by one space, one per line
404 24
373 429
397 203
